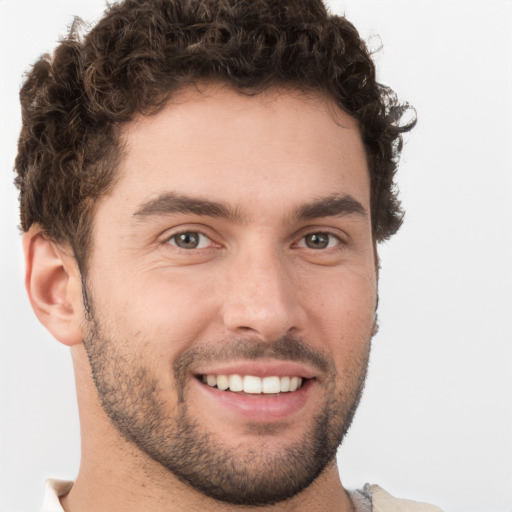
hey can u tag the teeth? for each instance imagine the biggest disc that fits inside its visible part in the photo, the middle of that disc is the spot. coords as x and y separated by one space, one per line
252 384
222 382
236 383
295 383
285 384
271 385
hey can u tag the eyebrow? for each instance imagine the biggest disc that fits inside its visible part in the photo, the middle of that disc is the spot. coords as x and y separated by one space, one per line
335 205
171 202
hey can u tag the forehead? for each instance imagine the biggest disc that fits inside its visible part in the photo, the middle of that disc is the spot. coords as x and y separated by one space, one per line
262 150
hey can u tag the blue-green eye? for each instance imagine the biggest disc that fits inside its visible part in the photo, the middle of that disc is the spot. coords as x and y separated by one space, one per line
319 241
190 240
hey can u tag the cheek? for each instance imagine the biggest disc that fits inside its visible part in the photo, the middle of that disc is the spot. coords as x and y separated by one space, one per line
345 312
168 309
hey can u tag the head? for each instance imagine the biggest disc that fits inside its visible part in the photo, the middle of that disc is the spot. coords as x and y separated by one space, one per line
218 173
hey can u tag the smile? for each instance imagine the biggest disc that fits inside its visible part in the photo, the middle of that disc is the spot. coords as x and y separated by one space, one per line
252 384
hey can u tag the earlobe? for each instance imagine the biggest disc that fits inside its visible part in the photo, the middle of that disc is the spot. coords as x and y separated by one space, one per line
53 285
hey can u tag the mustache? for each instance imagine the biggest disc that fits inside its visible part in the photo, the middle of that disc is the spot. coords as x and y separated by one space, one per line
290 348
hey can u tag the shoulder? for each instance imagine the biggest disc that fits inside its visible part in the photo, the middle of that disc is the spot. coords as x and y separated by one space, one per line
384 502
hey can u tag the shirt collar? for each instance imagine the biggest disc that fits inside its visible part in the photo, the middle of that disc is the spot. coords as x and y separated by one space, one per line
54 489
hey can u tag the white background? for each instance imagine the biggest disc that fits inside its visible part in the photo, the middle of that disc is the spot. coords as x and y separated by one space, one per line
435 423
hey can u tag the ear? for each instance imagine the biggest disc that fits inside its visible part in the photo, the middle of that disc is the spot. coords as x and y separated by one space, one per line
54 287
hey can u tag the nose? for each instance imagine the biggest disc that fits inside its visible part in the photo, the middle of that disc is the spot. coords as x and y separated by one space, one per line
262 298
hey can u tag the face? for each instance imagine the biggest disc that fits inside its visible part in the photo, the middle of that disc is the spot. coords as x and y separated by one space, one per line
232 290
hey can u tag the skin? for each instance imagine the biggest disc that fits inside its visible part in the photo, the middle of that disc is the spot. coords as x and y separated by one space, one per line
253 279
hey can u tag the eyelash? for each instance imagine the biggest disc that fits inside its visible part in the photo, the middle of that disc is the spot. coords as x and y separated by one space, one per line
331 237
187 232
301 243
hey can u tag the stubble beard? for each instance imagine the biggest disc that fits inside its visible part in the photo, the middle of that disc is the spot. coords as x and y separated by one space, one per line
131 396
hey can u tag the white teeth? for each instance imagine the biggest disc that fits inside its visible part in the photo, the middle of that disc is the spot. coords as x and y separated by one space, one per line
271 385
252 384
285 384
222 382
236 383
295 383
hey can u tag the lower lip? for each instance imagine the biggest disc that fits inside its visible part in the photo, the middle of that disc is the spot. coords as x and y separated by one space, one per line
260 408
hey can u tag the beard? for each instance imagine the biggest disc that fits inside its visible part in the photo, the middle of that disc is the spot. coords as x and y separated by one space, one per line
251 475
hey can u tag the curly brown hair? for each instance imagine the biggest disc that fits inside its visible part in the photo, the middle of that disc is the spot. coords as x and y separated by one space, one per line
144 51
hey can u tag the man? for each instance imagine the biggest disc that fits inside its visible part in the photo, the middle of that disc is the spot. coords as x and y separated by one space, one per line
202 188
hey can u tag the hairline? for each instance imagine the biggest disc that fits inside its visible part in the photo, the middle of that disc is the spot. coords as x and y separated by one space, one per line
81 241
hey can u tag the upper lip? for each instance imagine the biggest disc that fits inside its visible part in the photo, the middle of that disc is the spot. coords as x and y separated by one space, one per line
260 368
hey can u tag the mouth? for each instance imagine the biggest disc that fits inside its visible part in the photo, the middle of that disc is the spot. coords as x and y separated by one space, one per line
261 392
253 384
258 391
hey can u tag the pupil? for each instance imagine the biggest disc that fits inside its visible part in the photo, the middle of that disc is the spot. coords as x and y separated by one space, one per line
317 241
188 240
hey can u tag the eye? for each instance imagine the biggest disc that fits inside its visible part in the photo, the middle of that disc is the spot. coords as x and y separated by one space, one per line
190 240
319 241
